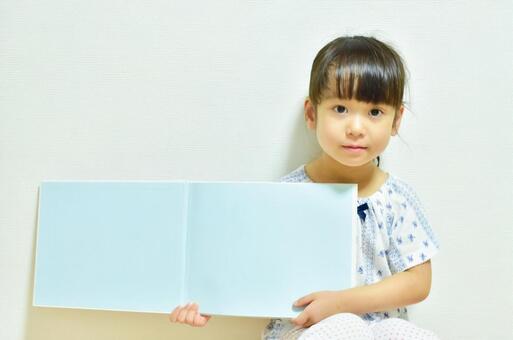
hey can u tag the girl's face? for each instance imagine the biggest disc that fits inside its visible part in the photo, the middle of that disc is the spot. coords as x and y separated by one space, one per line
350 131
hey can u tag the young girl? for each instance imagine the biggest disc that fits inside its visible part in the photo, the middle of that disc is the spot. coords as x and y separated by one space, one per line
355 105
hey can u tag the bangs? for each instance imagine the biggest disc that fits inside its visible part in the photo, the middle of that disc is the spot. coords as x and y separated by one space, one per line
360 69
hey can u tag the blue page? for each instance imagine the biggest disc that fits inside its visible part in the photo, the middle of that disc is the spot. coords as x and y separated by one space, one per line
255 248
252 248
110 245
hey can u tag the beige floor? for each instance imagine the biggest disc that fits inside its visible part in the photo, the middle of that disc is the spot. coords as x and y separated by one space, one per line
71 324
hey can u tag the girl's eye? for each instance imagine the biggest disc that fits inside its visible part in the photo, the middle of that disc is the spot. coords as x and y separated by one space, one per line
375 112
340 109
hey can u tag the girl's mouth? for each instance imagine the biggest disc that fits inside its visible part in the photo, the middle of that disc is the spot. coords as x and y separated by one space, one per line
354 148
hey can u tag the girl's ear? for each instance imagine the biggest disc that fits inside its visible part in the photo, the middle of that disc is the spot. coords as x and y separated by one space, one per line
310 116
397 120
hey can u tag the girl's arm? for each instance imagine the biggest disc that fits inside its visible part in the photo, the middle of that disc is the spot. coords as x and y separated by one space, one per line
401 289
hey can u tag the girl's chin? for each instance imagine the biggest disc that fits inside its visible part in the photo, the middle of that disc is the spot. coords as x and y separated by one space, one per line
351 160
354 164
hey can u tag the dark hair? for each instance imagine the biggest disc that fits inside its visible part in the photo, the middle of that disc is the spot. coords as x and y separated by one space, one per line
364 68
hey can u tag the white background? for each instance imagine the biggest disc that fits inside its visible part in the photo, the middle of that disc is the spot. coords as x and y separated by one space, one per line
213 90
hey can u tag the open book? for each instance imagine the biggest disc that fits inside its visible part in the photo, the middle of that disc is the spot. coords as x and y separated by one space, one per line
235 248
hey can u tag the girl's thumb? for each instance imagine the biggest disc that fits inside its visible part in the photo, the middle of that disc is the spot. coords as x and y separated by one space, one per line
300 320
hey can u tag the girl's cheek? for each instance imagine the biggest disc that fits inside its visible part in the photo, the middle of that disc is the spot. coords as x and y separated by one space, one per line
326 137
382 142
333 135
333 129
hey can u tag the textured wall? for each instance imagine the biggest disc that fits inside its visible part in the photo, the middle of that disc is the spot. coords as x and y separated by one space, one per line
213 90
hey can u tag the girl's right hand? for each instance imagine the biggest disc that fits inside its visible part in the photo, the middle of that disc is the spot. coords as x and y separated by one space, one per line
189 314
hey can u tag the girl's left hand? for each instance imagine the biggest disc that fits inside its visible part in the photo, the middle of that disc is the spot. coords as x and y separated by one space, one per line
320 306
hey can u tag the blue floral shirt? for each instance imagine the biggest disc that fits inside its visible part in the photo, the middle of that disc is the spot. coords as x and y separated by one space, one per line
393 234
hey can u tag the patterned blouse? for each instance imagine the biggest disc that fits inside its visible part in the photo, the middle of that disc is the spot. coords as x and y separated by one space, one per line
393 235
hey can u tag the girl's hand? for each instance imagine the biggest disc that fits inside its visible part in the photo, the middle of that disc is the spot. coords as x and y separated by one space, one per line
320 306
189 314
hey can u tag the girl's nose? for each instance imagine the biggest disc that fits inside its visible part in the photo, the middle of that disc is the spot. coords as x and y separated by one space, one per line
354 125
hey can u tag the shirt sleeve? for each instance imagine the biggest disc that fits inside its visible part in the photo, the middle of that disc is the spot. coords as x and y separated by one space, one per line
412 240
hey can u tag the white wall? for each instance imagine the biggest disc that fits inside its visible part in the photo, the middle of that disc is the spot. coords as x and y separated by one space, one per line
213 90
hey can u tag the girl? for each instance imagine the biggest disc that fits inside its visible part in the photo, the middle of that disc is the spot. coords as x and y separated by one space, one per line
355 105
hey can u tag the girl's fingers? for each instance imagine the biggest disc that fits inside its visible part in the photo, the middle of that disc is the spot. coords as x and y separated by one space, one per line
182 314
304 300
189 314
192 311
174 314
200 320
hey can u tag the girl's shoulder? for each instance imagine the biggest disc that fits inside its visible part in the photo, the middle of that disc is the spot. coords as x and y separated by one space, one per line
395 185
396 197
397 189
